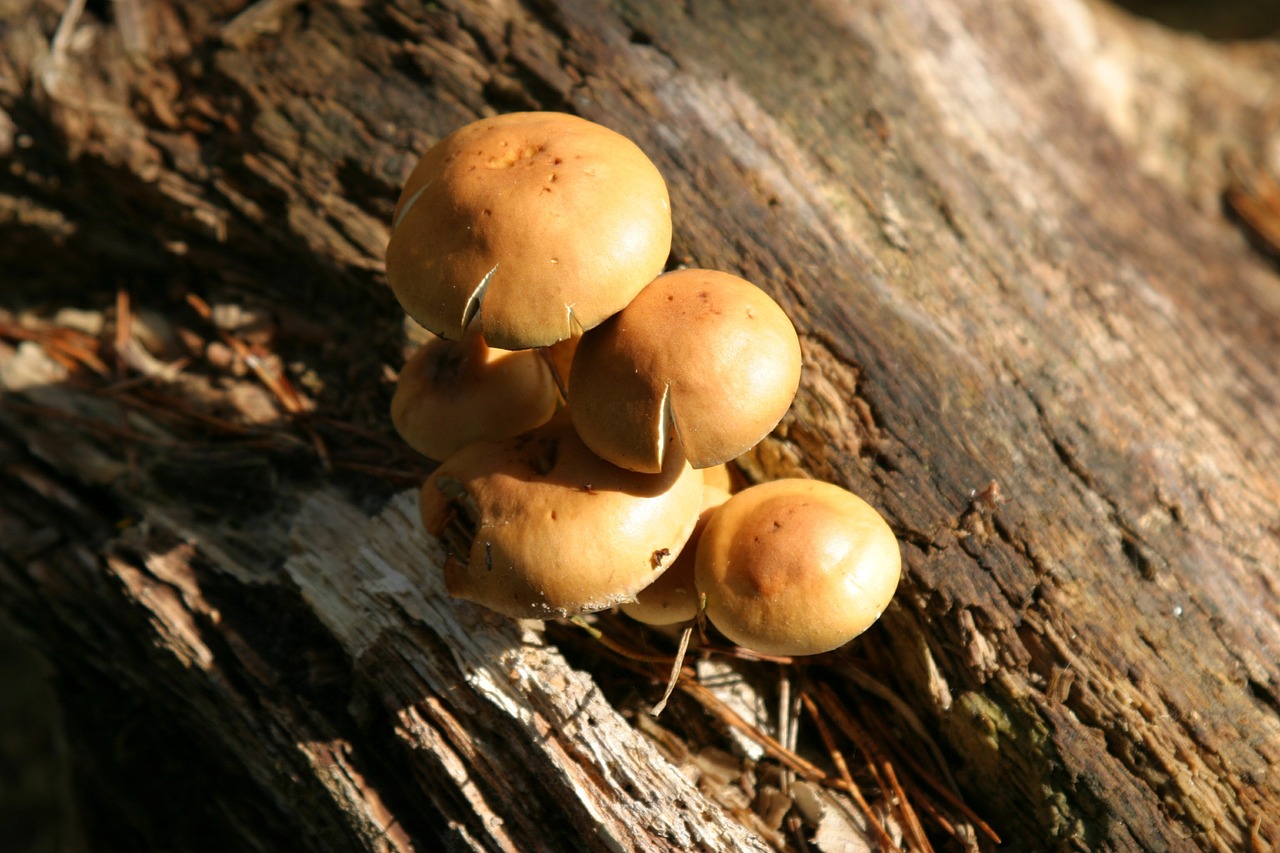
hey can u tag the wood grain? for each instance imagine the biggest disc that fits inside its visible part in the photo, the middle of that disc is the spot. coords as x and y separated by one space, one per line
1031 337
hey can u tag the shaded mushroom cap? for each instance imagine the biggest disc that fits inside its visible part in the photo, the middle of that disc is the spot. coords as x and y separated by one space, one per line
673 597
796 567
559 356
718 477
538 526
451 393
701 361
534 225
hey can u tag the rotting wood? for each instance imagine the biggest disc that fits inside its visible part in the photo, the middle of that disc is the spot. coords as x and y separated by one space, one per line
999 232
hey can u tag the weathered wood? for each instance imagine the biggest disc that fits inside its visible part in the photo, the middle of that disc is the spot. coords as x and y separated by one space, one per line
1031 337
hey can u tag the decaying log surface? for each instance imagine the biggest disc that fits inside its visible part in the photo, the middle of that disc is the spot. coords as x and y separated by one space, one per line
1033 336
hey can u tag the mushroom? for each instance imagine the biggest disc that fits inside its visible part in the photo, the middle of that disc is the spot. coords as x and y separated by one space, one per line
538 526
451 393
796 567
673 597
701 360
718 476
559 358
536 226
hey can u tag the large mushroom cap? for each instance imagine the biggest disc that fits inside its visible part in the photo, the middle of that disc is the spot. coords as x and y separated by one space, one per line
451 393
701 361
535 225
549 529
796 567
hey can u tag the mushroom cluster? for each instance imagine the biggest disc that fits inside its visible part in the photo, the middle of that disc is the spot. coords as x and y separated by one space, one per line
583 402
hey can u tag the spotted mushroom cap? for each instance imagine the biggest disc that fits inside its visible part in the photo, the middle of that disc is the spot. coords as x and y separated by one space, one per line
541 527
536 225
796 567
702 363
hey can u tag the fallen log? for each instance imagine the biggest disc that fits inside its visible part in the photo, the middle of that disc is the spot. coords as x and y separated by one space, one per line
1034 336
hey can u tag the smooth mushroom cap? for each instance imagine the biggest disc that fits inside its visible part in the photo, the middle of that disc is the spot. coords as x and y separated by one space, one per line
673 597
796 567
537 226
701 363
451 393
546 528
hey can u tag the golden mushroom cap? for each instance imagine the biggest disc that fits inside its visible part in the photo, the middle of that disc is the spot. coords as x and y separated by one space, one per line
796 567
673 597
546 528
451 393
701 363
535 225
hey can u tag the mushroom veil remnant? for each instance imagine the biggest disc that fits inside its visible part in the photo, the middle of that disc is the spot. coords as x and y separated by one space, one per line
534 226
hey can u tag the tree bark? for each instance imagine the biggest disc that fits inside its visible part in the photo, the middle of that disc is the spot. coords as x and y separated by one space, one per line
1034 336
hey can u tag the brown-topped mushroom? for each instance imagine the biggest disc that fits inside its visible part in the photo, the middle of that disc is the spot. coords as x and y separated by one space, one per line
451 393
701 362
796 567
538 526
536 226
